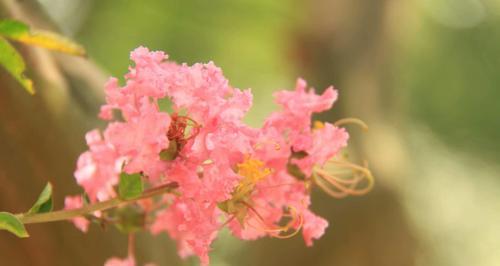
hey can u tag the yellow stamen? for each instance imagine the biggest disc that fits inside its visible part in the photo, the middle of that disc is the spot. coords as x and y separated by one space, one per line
318 125
252 171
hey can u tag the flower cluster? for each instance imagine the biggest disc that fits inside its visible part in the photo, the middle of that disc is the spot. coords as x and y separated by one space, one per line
255 181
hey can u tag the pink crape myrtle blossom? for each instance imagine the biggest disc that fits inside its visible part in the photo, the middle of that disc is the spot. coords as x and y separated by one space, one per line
98 168
75 202
318 152
141 139
193 224
290 132
256 181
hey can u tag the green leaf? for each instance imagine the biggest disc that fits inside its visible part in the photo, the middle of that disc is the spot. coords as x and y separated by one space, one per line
12 28
21 32
13 62
44 201
10 223
130 218
170 153
52 41
130 186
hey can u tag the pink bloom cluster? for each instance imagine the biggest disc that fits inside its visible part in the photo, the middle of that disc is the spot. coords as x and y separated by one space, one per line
253 180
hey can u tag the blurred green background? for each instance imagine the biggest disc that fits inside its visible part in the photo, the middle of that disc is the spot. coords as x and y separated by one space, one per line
422 73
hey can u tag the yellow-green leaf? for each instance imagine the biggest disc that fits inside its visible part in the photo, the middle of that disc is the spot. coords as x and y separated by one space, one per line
20 32
13 62
130 186
9 222
52 41
44 201
12 28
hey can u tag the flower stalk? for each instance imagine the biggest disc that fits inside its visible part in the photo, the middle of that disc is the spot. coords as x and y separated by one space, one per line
91 208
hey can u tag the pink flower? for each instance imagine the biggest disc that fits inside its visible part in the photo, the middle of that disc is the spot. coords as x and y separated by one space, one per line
254 180
303 102
97 169
129 261
318 153
313 228
298 106
193 224
75 202
141 139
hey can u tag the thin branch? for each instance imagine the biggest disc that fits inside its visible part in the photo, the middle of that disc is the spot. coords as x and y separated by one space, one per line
91 208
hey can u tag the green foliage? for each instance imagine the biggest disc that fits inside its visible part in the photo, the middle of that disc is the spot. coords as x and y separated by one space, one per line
452 80
12 28
10 223
131 218
21 32
13 62
130 186
44 201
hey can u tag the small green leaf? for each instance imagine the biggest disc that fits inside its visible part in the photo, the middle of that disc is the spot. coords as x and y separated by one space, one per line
130 218
130 186
44 201
13 28
10 223
13 62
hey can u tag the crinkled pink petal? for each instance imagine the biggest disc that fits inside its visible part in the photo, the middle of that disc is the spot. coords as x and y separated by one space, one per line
305 102
326 143
313 228
186 176
75 202
141 140
97 169
193 224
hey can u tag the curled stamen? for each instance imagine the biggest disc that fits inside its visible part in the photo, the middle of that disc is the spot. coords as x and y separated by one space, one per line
290 224
274 230
351 120
339 187
177 130
336 176
195 128
327 189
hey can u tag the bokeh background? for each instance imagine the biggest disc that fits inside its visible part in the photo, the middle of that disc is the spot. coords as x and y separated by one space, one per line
422 73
